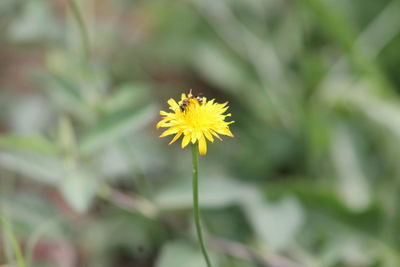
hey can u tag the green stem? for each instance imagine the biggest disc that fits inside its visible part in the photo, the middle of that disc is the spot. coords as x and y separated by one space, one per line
14 243
196 211
82 27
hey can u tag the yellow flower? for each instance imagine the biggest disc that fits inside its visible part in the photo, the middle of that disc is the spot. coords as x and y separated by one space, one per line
196 119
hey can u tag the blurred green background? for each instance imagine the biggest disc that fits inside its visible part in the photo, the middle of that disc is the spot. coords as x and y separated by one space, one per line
312 177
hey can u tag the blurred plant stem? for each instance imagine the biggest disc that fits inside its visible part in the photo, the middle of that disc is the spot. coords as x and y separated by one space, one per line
135 204
265 258
14 243
82 28
129 203
196 211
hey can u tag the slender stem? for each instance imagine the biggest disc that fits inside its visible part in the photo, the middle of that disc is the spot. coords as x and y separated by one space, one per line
14 243
82 27
196 211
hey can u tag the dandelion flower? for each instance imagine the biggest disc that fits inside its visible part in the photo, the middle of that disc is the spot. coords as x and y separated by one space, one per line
197 119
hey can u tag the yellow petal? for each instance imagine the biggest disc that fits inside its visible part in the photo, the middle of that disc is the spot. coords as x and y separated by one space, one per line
222 110
216 135
202 121
225 131
208 136
185 141
175 138
199 133
194 137
173 104
202 145
160 124
169 132
163 123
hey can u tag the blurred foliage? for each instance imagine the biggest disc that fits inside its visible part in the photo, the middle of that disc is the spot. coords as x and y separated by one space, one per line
310 179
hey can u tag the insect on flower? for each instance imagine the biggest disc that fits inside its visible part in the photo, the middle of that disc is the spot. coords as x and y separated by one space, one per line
186 101
197 119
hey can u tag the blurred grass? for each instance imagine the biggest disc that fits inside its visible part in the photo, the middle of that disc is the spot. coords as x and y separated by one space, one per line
10 236
310 179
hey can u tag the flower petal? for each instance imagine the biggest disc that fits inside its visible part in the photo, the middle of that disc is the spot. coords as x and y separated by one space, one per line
216 135
225 131
202 145
185 141
169 132
172 103
200 122
161 123
194 137
208 136
175 138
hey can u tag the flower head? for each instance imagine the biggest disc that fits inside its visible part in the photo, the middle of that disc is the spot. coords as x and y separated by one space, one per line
197 119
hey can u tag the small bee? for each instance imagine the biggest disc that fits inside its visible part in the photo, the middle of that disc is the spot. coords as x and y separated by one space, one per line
186 101
198 98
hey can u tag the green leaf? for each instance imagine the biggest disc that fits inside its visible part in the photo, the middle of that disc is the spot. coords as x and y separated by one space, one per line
68 96
215 64
28 144
36 166
384 113
333 21
275 223
113 126
29 209
68 89
79 189
180 254
76 185
353 185
35 23
127 96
